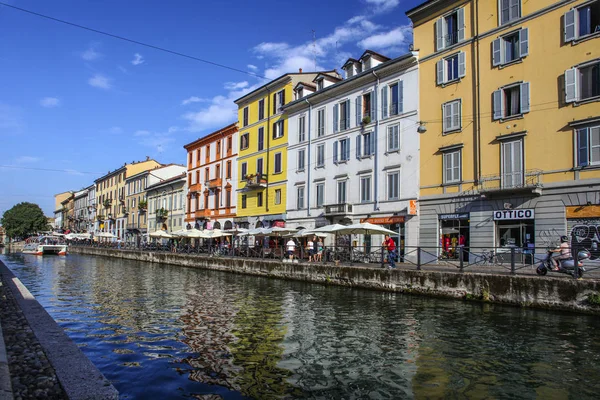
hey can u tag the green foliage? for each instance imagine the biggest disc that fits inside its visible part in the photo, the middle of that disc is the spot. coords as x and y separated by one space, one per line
23 220
594 299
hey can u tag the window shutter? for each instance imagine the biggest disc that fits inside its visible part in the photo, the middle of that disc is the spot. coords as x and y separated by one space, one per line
460 21
439 34
462 64
525 97
496 52
524 42
446 112
372 142
570 25
274 130
400 97
347 155
358 139
373 105
282 98
348 114
384 102
447 167
456 165
582 147
456 115
358 110
335 117
274 103
439 68
335 152
571 85
498 106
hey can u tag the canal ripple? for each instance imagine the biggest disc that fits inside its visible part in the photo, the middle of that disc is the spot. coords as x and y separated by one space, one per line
161 332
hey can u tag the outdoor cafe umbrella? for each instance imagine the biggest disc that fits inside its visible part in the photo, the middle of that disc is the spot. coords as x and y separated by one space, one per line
329 228
307 232
161 234
196 234
217 233
180 233
365 228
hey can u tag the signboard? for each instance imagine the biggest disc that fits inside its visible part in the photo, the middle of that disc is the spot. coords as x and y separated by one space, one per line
384 220
501 215
583 211
444 217
412 207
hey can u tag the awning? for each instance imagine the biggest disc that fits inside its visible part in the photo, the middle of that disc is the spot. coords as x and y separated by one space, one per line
274 217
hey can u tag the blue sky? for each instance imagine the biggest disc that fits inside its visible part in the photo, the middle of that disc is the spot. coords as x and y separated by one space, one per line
84 103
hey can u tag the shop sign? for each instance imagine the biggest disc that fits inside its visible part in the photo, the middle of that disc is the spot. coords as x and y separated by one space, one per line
583 211
412 207
384 220
444 217
514 214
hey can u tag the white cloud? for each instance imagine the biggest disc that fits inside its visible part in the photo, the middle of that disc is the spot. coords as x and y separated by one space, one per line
193 99
387 40
252 68
158 140
90 54
50 102
27 160
115 130
100 81
141 133
137 59
235 85
383 5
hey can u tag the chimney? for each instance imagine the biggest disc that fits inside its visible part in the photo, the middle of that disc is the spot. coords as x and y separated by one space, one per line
300 70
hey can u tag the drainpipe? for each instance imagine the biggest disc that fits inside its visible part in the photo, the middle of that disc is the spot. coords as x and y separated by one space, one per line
478 102
307 164
268 146
375 163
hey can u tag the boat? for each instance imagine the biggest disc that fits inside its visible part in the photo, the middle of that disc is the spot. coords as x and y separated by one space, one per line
48 244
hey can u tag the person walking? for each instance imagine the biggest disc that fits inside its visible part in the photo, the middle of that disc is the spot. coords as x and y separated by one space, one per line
320 250
390 246
310 247
291 248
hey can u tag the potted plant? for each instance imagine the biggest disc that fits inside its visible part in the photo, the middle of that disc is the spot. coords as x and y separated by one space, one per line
366 120
142 205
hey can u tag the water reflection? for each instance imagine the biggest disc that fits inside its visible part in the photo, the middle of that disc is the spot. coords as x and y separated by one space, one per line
167 332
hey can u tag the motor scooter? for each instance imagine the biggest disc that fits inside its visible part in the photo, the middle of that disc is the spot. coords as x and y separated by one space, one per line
567 266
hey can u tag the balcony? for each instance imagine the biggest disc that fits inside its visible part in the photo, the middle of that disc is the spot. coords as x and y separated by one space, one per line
256 181
107 203
213 183
527 182
338 209
135 226
161 213
100 217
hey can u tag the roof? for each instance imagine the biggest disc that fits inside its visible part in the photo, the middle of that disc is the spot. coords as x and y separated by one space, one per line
321 75
209 136
374 53
350 60
424 7
310 85
167 181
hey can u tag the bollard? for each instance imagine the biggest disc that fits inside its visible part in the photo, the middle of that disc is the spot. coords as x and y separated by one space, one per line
512 261
418 258
575 256
461 261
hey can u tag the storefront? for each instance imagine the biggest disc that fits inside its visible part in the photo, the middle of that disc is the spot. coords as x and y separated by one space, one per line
394 223
454 233
583 225
515 229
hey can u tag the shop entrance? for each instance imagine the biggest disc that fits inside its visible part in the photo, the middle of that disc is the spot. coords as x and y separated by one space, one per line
515 234
454 234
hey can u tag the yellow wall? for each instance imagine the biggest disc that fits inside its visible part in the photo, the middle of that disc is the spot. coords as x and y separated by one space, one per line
59 198
549 143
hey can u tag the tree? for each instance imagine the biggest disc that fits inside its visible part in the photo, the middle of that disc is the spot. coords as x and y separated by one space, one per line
23 220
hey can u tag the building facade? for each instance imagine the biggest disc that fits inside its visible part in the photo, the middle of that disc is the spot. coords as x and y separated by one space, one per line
354 150
509 101
166 204
58 208
91 211
262 159
68 213
80 211
212 179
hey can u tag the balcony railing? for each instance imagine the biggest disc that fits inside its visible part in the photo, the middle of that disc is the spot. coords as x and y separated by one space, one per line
107 203
529 180
135 225
213 183
338 209
256 181
161 213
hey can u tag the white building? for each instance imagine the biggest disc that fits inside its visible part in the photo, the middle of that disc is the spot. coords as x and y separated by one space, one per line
92 224
80 210
166 204
353 153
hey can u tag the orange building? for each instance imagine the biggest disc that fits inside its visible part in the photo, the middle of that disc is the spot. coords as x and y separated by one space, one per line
212 179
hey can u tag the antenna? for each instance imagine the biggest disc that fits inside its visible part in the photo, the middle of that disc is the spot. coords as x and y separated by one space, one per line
314 49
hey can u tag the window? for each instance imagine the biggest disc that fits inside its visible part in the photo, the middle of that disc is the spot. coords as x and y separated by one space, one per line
261 139
582 82
245 116
509 10
511 47
341 116
244 141
277 196
393 135
396 96
244 170
451 68
365 145
320 84
512 164
259 199
452 167
365 107
259 166
321 122
321 155
588 146
206 174
341 192
218 149
261 109
244 201
278 101
278 168
365 189
300 198
278 129
301 129
217 171
341 150
207 153
582 21
228 170
229 144
451 116
393 185
450 29
320 194
228 199
301 159
511 101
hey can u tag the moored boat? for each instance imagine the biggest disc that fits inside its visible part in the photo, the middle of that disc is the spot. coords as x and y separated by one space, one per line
40 245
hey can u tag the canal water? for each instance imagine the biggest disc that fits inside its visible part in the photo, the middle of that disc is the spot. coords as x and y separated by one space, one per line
163 332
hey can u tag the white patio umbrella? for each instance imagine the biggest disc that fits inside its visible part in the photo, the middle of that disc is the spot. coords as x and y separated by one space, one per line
217 233
307 232
180 233
328 228
364 228
196 234
256 232
161 234
236 231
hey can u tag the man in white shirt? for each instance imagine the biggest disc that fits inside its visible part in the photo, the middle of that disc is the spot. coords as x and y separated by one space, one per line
291 248
310 246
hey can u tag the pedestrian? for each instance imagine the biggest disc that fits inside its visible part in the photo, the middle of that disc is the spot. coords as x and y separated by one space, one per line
310 247
320 250
390 246
291 248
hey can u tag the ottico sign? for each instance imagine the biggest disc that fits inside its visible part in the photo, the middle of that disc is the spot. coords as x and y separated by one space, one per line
527 213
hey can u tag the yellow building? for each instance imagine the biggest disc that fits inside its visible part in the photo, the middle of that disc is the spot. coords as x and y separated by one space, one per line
509 104
112 211
262 157
58 209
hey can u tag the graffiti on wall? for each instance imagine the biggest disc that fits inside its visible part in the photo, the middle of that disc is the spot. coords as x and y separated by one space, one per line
549 238
586 233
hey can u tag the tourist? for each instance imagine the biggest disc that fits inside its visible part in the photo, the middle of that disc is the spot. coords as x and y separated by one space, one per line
310 247
390 246
565 252
291 248
320 250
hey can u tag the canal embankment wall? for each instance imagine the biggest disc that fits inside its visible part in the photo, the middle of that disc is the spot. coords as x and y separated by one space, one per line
558 293
78 376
